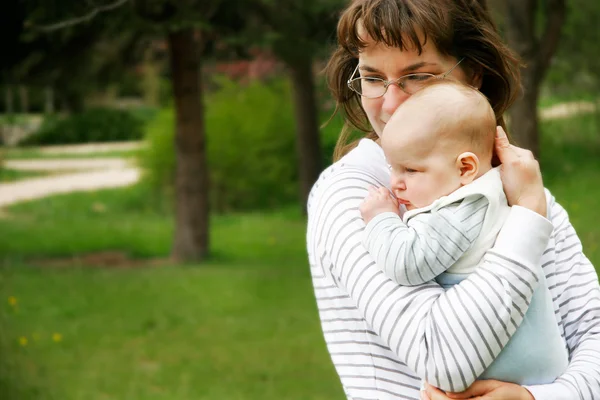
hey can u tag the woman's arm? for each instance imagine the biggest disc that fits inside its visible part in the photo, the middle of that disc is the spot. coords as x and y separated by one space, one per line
576 290
574 286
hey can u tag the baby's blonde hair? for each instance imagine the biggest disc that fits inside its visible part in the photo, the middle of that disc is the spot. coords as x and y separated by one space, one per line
462 114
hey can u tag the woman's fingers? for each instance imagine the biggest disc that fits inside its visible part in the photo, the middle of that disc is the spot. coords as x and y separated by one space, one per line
478 388
434 393
521 176
504 149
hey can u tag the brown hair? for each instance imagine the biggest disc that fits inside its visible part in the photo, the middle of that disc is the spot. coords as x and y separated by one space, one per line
459 28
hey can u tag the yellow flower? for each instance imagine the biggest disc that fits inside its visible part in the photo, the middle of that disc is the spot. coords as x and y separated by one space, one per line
57 337
12 300
23 341
98 207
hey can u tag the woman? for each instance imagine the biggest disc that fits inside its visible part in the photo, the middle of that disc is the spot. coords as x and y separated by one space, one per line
384 339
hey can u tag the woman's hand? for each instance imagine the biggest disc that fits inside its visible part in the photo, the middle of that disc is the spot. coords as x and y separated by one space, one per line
521 176
481 390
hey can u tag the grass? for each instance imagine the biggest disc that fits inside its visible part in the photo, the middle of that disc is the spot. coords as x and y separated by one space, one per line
570 162
215 332
549 99
29 153
242 325
12 175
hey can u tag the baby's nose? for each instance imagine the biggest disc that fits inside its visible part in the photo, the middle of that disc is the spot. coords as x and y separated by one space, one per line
398 184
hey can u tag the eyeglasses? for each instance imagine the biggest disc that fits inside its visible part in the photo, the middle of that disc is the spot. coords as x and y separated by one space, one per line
372 88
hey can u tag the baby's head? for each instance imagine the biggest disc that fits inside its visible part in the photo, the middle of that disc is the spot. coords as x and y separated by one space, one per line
439 139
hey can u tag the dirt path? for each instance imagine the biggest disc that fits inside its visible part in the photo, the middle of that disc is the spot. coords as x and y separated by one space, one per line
57 165
91 174
564 110
91 148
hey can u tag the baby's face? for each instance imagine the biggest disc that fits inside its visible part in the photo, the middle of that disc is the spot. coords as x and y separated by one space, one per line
423 169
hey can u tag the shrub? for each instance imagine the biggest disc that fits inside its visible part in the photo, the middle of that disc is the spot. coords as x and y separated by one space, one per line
93 125
250 147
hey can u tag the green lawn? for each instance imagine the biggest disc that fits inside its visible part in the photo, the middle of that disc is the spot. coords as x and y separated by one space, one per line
29 153
242 325
11 175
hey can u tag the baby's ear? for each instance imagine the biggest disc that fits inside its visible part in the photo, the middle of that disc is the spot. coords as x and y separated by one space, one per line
468 165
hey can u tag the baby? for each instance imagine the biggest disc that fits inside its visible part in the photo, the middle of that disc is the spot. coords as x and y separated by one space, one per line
446 211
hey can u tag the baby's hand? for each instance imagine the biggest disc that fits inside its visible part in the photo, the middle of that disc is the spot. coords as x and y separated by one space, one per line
378 201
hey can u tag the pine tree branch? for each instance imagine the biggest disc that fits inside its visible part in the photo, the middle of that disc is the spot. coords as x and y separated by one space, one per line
85 18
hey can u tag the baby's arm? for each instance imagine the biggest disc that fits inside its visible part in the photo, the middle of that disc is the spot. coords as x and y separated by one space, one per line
413 254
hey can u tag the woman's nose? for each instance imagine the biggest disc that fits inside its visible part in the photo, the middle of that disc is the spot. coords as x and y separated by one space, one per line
393 98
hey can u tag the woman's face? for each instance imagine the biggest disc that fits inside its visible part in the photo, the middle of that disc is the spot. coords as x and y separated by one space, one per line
380 61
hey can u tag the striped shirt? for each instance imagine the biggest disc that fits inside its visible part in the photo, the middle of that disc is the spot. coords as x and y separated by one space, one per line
384 338
416 252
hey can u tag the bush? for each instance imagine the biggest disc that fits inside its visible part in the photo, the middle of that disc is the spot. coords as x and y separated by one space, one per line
250 147
93 125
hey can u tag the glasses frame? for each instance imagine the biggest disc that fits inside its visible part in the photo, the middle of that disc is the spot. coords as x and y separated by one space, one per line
397 81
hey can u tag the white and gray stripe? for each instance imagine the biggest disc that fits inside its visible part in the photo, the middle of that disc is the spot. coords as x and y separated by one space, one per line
384 338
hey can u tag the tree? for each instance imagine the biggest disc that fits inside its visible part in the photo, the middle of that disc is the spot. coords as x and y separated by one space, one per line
191 27
297 32
536 51
188 26
576 65
77 59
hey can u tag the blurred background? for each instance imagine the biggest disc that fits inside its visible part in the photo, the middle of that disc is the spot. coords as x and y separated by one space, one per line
155 160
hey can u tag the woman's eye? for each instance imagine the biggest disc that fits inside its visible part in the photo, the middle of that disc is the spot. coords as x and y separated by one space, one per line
419 77
371 79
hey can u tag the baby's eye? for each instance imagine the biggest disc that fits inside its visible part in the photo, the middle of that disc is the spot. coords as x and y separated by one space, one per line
410 170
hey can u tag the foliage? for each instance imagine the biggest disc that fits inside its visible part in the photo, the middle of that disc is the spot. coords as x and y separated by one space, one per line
250 147
294 30
93 125
576 66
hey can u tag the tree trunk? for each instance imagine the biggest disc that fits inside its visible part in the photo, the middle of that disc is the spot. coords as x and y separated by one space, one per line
536 55
24 97
524 120
8 100
307 126
73 101
191 181
48 100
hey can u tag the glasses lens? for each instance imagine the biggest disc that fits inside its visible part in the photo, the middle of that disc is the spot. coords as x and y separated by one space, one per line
368 87
414 82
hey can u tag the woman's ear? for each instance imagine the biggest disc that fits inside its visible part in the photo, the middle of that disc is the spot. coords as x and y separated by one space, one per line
468 165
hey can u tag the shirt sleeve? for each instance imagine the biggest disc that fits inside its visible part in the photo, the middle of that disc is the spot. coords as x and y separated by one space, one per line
575 288
447 338
415 253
